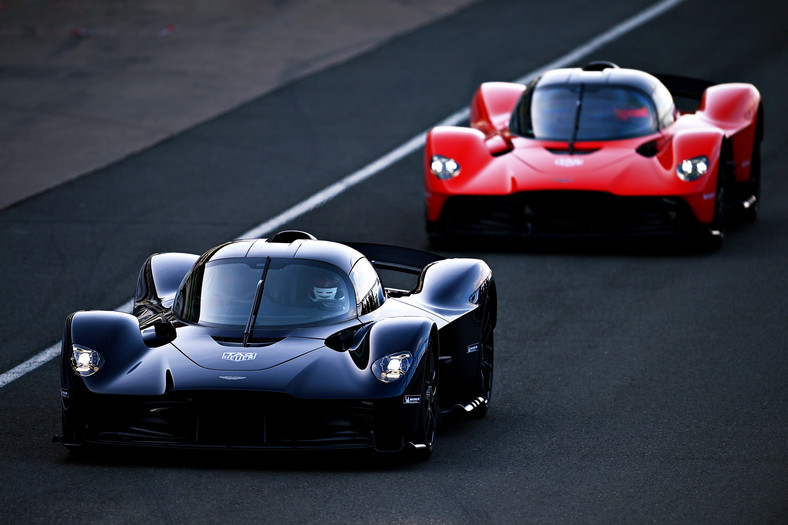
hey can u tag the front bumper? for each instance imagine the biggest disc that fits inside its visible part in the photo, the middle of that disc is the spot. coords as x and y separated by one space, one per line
234 420
554 214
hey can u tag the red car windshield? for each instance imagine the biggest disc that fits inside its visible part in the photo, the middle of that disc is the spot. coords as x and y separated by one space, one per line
585 112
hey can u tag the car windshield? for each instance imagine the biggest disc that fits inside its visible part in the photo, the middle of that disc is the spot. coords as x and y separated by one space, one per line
586 112
295 293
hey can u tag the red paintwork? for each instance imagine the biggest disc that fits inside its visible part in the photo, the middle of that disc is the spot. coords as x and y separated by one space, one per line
496 162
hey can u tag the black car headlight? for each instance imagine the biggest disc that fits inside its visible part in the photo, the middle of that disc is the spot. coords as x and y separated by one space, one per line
443 167
392 367
692 169
85 361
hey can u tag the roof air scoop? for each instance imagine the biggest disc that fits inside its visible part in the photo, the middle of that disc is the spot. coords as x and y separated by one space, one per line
599 65
288 236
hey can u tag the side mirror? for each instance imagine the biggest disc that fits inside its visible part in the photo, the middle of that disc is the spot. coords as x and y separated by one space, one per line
499 144
158 333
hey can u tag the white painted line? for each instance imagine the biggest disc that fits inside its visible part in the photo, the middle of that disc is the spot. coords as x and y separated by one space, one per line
387 160
46 355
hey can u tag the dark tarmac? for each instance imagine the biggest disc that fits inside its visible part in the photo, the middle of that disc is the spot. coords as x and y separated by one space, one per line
86 83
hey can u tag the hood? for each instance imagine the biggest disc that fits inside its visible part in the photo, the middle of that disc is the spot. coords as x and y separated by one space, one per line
217 351
588 169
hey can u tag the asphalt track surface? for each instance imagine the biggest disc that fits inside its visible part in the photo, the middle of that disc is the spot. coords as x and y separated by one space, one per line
634 383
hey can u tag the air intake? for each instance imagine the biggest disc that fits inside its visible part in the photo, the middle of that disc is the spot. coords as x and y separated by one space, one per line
289 236
599 65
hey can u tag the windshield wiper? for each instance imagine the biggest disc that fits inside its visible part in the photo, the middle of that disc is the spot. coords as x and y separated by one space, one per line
258 295
577 119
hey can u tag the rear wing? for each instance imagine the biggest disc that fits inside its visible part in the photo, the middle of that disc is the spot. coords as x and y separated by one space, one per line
399 268
397 258
687 92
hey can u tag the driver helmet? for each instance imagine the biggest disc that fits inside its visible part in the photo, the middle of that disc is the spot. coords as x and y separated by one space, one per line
325 288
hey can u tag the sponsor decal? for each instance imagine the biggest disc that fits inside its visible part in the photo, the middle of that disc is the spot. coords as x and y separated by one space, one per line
239 356
568 162
411 400
64 393
473 348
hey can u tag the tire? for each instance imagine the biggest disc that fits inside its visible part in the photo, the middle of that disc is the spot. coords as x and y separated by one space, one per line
752 187
73 435
712 239
429 410
486 359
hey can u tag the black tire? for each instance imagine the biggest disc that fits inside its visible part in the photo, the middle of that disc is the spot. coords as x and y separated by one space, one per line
72 437
711 240
753 186
486 358
429 410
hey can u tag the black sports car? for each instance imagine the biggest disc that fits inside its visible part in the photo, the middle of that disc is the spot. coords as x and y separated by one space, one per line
287 342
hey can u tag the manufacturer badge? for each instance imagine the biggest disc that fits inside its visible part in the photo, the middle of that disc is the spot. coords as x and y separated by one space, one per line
411 400
568 162
473 348
239 356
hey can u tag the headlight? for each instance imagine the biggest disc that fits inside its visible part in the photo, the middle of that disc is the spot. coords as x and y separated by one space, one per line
392 367
443 167
84 361
693 169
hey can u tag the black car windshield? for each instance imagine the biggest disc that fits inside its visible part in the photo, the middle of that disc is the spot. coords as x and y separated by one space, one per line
586 112
296 293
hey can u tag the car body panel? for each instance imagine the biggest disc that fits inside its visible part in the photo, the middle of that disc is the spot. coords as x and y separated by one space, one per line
160 374
725 126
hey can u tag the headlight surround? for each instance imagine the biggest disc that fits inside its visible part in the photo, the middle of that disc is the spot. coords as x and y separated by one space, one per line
392 367
692 169
444 168
85 361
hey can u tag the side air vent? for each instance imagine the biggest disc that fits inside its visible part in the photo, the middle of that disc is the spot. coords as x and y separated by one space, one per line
238 341
648 149
289 236
567 151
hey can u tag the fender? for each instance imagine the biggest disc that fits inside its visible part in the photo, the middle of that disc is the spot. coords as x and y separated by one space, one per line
400 333
129 366
736 108
465 145
732 107
364 346
158 281
689 143
451 287
492 105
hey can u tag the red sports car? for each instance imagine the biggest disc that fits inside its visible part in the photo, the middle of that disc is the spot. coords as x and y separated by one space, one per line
597 151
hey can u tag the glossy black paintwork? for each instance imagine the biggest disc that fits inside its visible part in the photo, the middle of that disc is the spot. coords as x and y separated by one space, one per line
154 355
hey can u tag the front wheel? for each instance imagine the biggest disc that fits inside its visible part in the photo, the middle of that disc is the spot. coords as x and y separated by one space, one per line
486 361
752 193
424 441
712 238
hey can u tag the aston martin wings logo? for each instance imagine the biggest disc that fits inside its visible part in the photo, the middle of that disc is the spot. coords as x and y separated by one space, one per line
239 356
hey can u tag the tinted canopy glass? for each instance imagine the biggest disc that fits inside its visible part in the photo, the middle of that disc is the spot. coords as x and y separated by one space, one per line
585 112
295 293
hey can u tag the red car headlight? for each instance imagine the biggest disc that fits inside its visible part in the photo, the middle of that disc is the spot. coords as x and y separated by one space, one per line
444 168
692 169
